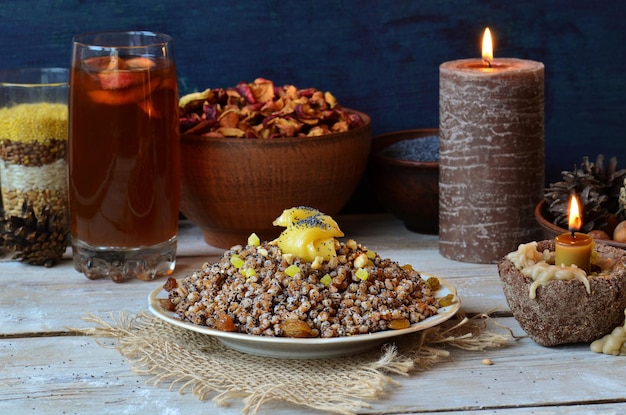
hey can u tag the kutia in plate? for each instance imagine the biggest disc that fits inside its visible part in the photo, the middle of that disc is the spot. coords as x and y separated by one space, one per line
304 284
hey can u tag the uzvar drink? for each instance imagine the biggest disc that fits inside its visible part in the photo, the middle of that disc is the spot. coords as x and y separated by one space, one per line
123 165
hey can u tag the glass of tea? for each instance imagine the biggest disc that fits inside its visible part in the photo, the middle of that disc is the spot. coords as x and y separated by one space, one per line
123 155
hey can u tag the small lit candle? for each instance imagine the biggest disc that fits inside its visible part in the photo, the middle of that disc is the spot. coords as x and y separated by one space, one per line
574 248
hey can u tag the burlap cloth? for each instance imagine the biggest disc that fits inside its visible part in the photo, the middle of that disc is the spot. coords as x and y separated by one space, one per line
192 361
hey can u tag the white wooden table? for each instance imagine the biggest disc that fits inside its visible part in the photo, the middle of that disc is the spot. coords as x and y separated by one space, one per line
45 369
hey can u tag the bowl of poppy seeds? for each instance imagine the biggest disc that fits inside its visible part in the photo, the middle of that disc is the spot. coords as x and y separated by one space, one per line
403 171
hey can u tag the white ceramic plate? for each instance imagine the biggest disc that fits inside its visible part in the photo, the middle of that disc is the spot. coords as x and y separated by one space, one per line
316 348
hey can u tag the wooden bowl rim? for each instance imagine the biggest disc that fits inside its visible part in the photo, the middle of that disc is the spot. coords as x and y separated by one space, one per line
540 209
400 135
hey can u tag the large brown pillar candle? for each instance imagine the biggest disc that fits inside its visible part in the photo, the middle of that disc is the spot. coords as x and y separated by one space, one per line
491 167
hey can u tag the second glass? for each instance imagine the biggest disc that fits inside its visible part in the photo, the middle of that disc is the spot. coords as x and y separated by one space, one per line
123 155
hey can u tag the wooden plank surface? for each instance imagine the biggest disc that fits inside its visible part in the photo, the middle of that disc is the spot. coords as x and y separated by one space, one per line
47 369
70 374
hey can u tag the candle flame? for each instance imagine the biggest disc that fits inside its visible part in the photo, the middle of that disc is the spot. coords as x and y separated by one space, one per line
575 221
487 47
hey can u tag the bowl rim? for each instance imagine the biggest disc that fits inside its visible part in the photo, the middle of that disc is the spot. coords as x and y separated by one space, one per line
284 140
540 209
408 134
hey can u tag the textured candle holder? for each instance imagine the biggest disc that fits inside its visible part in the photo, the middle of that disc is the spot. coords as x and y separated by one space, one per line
563 311
491 157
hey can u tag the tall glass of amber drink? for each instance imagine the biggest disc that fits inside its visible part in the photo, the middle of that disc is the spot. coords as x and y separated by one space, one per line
123 155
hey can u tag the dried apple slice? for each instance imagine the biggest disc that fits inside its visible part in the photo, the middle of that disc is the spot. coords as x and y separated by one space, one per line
121 96
140 63
123 73
101 63
119 79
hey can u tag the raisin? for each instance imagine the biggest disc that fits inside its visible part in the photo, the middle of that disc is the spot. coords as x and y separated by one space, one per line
433 283
446 301
399 324
296 328
170 284
166 304
225 323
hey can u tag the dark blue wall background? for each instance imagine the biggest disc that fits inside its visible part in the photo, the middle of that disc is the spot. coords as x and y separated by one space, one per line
380 57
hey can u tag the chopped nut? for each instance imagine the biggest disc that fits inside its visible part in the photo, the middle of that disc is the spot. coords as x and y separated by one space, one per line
361 261
487 362
317 262
288 258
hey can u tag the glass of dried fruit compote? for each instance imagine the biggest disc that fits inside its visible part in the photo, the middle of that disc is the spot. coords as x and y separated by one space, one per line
123 155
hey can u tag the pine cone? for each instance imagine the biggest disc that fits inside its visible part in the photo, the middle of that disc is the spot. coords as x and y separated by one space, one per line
621 212
597 188
36 240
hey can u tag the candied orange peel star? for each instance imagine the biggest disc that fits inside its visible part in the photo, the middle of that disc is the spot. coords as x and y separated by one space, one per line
309 234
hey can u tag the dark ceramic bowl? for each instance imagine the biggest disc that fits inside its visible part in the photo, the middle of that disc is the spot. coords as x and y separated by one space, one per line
407 189
231 187
551 231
